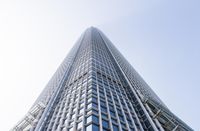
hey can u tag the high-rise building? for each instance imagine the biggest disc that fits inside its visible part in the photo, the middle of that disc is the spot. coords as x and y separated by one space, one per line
96 89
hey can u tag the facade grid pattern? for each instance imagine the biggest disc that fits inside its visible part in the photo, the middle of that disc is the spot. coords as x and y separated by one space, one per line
96 89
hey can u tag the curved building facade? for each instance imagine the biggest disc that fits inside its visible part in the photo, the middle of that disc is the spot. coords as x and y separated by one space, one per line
96 89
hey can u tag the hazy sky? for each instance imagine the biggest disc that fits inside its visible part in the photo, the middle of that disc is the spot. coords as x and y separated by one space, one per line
160 38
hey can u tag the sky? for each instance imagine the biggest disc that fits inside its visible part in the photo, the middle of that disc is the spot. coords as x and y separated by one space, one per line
160 38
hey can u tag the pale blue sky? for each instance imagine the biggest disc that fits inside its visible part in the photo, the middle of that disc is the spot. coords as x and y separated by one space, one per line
160 38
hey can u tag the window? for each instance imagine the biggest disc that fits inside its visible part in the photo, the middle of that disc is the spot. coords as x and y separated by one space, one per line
92 105
89 106
79 125
81 110
64 129
104 115
73 116
80 117
92 99
129 122
111 107
121 117
105 124
103 109
92 111
93 119
112 113
115 128
132 129
82 104
103 103
123 125
92 127
70 129
114 120
73 109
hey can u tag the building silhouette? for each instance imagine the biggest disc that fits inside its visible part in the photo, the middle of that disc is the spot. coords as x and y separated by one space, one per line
96 89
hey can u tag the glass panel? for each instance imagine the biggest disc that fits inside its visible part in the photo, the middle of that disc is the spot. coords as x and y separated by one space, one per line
70 129
79 125
89 127
92 127
115 128
81 110
105 123
93 119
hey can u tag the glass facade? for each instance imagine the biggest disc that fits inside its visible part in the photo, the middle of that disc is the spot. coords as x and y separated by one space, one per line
96 89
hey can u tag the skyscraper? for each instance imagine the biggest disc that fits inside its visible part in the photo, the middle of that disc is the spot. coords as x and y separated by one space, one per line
96 89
